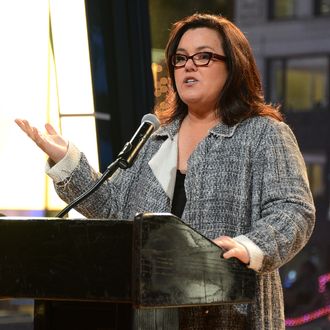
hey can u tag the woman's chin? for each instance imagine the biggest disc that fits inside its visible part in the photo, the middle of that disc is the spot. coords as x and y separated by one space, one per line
193 101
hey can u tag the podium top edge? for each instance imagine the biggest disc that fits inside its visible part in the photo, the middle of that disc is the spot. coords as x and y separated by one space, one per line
24 218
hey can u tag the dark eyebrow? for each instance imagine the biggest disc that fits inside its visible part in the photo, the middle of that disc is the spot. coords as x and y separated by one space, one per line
200 48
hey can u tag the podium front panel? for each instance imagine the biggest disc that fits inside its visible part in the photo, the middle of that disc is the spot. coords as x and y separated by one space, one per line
66 259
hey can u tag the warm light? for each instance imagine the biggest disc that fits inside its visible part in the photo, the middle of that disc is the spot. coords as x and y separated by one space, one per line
71 65
69 29
23 82
40 87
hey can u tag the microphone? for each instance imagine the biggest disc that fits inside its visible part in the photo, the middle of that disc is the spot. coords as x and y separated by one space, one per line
149 124
125 159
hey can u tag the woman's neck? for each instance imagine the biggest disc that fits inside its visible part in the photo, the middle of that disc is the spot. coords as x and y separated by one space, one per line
209 119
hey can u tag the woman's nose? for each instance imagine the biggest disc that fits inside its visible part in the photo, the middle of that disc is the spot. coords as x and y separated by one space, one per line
190 65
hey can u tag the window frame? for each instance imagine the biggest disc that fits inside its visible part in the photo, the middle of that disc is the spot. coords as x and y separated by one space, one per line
284 65
317 9
271 12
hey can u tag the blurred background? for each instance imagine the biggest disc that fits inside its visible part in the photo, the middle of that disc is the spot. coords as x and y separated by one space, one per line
93 68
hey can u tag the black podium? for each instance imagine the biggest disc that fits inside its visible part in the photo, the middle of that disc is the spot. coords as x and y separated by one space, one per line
115 274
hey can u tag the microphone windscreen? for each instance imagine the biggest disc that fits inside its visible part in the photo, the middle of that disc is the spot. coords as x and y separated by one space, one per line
151 118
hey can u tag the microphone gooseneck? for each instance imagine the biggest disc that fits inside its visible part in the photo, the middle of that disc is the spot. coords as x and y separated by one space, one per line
125 158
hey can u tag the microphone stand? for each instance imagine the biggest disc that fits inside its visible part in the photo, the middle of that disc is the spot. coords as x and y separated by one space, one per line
122 161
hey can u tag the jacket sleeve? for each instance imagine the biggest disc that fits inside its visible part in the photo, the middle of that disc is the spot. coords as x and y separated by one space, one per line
283 213
73 175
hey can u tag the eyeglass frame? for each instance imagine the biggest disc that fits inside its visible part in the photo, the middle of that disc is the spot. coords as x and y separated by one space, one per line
211 54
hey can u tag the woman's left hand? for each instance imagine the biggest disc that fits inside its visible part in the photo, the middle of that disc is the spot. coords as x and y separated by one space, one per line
233 249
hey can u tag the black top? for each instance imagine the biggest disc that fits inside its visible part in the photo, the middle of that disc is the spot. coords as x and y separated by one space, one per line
179 196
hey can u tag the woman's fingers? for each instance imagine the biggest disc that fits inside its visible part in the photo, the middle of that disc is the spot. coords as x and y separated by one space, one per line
50 129
234 252
54 145
27 128
21 124
224 242
232 249
37 137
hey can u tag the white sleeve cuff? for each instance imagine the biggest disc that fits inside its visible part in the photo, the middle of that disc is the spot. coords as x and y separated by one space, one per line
63 169
255 253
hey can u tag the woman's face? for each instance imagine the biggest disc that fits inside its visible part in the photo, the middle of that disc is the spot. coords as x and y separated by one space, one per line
199 86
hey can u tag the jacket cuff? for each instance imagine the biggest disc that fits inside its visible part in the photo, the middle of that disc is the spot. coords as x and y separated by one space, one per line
64 168
255 253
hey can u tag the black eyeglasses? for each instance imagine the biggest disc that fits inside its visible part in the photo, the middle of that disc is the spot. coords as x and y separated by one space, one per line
199 59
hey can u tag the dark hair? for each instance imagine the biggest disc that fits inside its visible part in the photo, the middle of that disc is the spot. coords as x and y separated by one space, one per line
242 95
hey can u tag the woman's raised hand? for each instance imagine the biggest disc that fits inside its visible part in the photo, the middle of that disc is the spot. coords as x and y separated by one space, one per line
53 144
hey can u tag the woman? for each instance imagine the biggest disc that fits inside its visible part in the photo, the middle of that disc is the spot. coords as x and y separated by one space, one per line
242 178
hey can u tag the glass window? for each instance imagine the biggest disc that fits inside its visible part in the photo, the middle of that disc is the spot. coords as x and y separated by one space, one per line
282 9
277 81
300 84
322 7
306 83
315 163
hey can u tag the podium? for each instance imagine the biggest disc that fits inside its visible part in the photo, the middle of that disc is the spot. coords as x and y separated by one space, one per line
115 274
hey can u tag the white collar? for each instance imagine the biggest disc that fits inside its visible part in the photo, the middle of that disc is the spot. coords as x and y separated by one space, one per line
164 165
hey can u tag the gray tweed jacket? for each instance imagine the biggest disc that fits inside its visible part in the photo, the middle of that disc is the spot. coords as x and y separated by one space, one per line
248 179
